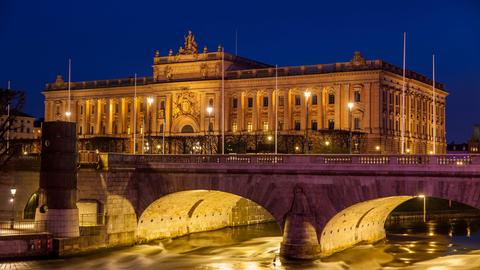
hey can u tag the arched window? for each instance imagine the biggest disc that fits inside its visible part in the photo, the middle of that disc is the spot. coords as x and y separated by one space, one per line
331 98
187 129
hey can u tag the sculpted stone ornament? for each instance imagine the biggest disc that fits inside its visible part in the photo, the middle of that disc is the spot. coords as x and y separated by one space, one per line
190 44
204 70
168 73
358 59
59 82
185 104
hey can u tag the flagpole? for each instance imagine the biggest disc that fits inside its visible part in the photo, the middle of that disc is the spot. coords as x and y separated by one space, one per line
402 151
434 107
69 83
223 101
135 116
276 109
8 119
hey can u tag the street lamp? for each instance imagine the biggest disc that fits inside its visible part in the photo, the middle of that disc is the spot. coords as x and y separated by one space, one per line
13 191
149 111
350 107
307 95
209 111
67 114
377 148
422 196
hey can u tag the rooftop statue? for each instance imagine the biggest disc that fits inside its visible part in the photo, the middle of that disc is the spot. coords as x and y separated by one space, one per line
190 44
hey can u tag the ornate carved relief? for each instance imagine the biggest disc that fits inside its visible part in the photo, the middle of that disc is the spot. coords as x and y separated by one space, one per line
185 103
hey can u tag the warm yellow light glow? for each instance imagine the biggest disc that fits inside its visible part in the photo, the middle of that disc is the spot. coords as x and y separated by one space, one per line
421 196
96 151
158 146
307 94
408 150
25 153
150 100
13 191
269 137
377 147
296 148
327 143
350 105
431 152
68 114
209 109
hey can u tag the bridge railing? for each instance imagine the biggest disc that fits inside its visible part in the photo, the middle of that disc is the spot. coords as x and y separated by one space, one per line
382 160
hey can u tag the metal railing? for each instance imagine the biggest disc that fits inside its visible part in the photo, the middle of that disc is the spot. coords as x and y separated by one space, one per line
21 227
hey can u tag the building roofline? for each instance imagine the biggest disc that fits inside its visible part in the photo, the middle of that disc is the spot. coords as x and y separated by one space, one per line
254 73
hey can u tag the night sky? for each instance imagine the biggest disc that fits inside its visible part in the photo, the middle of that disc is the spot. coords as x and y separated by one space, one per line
115 39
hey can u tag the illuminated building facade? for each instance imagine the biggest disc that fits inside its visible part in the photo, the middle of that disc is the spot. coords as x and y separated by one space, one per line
169 108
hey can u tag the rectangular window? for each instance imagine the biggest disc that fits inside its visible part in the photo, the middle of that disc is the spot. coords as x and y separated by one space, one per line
265 101
116 108
162 105
265 126
234 103
356 123
281 101
234 126
250 102
297 100
93 109
331 124
331 99
356 96
314 100
129 107
280 125
81 110
141 106
249 127
314 124
297 124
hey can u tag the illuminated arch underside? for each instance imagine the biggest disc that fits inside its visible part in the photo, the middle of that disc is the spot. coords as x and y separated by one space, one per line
362 222
187 212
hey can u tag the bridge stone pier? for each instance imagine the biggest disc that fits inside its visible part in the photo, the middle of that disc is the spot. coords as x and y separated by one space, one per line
322 203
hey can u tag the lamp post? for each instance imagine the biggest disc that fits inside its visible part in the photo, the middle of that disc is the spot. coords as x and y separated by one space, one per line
149 111
209 111
350 107
163 135
307 95
424 206
13 191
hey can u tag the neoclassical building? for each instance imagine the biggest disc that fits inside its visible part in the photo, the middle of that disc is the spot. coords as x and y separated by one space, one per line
168 111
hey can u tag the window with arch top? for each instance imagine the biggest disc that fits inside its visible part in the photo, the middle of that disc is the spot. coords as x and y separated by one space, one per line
331 98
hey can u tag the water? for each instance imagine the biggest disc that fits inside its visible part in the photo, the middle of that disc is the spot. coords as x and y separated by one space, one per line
432 246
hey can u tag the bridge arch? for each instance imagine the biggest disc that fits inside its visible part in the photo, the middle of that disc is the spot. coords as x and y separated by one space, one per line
363 222
184 212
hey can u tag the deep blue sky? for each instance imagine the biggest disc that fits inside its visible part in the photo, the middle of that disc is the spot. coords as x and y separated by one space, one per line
109 39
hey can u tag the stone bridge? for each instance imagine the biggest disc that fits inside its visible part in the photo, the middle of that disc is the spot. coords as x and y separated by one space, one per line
322 203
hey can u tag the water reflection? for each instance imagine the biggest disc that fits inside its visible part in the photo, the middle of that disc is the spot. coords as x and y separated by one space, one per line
431 245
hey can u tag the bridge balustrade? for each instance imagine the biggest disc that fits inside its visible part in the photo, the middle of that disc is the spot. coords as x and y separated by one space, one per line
91 157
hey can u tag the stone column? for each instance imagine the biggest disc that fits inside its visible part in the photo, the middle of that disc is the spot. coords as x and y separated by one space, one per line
300 236
57 212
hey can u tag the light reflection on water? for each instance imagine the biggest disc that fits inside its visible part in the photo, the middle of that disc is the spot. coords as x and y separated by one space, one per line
430 246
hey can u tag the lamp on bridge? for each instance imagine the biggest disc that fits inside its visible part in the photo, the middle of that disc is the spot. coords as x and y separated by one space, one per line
350 107
422 196
13 191
149 111
307 95
209 111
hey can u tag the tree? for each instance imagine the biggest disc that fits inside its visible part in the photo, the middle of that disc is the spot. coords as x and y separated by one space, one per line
10 101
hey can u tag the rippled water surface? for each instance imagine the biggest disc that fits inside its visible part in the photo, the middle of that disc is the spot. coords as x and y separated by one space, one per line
432 246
